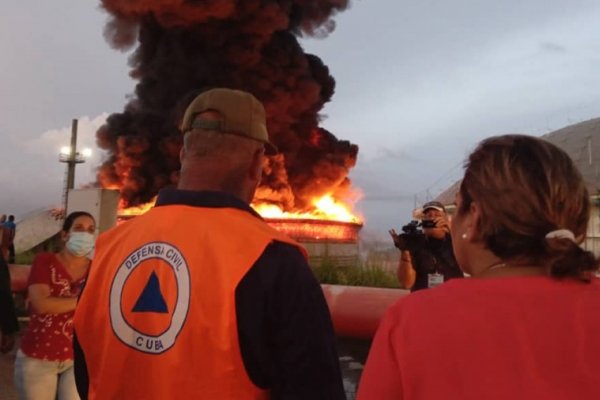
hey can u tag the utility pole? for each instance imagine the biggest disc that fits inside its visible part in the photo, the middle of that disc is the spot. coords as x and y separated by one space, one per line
72 161
71 157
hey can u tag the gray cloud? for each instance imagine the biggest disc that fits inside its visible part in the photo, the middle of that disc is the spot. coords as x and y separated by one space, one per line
553 47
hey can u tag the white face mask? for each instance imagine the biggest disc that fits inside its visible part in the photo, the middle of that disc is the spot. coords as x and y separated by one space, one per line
80 244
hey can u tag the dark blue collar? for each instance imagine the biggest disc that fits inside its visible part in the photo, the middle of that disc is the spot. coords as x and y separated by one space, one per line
203 198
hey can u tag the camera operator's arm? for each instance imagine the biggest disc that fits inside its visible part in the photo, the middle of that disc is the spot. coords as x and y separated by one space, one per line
406 273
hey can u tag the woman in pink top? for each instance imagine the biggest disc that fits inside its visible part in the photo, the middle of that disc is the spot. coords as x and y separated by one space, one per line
527 325
44 364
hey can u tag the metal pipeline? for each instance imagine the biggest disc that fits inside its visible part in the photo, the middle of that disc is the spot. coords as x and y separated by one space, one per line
355 310
19 274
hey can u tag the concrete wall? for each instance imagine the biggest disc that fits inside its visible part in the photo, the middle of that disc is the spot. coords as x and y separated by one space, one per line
592 242
340 254
101 203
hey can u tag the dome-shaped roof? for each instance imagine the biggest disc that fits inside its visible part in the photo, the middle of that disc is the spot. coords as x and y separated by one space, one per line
581 141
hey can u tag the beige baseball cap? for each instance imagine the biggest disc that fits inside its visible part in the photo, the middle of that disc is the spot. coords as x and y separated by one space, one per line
436 205
243 115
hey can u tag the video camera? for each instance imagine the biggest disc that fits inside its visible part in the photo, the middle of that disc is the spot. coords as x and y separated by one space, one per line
412 228
413 235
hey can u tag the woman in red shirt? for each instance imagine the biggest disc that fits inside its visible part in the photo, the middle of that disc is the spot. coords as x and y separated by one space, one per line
44 364
526 325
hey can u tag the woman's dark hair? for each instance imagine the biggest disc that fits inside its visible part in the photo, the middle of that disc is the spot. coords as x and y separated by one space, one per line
68 224
526 187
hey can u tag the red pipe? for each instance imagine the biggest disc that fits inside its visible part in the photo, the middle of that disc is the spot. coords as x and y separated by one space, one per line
18 277
357 310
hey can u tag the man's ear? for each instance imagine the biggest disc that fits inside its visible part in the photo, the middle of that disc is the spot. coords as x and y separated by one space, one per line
181 154
256 165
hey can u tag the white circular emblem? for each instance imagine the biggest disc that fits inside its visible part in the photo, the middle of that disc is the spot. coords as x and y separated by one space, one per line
151 344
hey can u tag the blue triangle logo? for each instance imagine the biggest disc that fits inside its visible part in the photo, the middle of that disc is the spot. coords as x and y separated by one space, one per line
151 300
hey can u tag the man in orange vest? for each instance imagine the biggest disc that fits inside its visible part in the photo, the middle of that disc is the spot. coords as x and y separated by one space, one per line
199 298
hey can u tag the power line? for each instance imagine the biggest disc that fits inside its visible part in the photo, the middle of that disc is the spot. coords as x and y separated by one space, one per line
444 176
388 197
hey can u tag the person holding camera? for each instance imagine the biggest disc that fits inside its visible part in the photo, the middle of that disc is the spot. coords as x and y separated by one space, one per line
426 258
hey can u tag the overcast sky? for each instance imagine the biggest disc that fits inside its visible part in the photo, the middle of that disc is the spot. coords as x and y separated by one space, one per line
418 85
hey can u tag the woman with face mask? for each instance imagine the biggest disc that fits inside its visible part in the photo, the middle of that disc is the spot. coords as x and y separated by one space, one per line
44 364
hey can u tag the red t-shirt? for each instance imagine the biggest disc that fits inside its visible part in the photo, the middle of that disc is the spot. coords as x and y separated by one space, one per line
50 336
504 338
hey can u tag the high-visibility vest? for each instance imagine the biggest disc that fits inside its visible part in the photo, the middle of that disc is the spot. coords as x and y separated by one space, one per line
157 317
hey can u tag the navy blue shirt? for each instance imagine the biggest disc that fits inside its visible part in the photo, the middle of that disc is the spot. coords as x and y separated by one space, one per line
431 256
285 332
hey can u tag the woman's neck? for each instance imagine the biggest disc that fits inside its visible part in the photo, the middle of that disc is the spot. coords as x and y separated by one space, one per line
71 261
502 269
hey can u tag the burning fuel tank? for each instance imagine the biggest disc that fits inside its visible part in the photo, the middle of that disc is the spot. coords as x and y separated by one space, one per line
330 241
325 240
329 232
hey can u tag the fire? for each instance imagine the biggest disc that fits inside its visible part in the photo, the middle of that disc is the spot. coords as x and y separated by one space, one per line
137 210
325 208
330 220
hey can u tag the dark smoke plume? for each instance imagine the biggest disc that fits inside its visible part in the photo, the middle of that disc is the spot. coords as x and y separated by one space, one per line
242 44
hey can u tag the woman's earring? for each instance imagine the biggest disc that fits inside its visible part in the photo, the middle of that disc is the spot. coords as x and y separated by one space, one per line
464 235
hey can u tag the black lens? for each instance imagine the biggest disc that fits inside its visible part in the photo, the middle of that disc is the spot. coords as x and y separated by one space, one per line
428 223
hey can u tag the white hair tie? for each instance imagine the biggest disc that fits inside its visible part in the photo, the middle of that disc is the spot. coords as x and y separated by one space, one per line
561 234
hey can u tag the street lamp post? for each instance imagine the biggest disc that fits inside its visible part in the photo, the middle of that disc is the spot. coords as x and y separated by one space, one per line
70 156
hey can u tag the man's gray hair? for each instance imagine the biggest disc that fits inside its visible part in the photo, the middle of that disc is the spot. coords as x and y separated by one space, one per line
201 143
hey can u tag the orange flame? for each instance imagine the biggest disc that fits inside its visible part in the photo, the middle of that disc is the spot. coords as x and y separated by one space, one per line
325 208
137 210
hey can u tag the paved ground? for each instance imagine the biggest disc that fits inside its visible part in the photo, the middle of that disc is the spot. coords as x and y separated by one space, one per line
352 357
7 390
353 354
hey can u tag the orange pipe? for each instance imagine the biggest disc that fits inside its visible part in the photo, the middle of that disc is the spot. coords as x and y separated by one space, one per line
18 277
356 310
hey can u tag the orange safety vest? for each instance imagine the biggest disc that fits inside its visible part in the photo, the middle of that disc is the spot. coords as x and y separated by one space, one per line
157 318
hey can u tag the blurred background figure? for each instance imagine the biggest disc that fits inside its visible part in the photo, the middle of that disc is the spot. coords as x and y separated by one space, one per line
3 237
526 325
44 364
8 316
11 229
